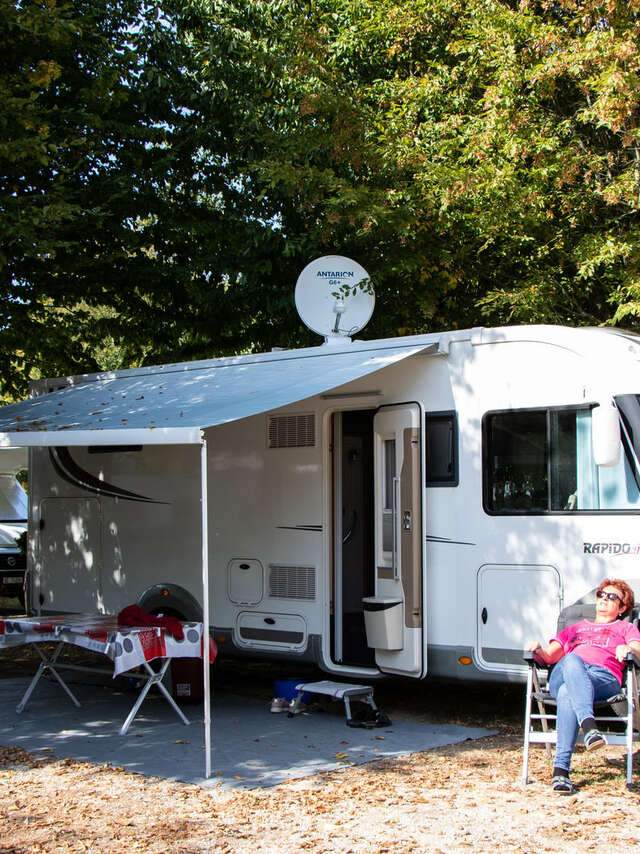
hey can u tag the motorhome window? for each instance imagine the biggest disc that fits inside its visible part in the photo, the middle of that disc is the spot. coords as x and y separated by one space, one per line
388 486
540 461
516 445
441 430
629 408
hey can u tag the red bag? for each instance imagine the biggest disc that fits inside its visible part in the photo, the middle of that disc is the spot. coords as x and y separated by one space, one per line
132 615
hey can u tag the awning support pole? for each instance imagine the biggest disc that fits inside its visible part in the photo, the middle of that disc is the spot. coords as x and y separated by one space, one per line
205 606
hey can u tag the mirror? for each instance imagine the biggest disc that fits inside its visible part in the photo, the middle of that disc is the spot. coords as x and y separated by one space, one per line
605 426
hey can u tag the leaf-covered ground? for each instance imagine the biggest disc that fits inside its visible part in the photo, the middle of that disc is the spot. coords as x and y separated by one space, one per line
464 797
458 798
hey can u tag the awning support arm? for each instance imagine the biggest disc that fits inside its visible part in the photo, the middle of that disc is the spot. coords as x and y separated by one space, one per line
205 605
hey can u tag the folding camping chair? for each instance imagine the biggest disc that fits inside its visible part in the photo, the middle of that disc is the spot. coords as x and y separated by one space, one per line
618 717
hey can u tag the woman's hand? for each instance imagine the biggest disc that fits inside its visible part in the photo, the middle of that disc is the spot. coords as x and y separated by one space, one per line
621 651
548 655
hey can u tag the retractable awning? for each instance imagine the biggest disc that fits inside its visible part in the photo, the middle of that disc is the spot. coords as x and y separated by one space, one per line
172 404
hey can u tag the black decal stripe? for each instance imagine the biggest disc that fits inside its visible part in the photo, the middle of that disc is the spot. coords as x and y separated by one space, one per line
69 470
299 527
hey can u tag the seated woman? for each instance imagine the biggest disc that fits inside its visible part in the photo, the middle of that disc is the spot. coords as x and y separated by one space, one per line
588 660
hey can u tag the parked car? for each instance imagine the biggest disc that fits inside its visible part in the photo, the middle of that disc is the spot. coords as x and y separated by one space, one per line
13 525
13 562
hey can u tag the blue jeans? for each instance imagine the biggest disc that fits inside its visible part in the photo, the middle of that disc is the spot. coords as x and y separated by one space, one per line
575 685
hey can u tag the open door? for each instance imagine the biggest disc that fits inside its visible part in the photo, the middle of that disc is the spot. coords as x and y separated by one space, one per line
354 535
394 615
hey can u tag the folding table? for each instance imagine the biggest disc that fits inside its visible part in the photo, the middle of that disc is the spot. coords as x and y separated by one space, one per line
128 647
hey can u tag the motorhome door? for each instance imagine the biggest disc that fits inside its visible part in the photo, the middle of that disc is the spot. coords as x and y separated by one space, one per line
354 534
394 616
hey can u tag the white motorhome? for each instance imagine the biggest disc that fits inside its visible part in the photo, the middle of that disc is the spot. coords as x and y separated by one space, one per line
420 505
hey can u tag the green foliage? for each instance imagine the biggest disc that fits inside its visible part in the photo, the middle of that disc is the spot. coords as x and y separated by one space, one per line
167 169
118 219
549 181
480 159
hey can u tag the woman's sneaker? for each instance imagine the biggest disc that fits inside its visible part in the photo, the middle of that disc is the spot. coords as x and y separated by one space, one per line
594 739
279 704
562 785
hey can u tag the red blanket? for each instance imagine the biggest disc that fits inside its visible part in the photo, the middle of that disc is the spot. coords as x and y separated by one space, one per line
132 615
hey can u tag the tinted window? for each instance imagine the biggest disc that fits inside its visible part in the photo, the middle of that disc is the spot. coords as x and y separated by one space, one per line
517 461
442 449
542 460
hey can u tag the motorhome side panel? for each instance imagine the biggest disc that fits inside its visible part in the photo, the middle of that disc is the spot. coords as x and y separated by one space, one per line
107 523
498 577
267 532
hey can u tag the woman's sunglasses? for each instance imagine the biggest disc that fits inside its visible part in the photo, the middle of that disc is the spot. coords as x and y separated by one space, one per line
602 594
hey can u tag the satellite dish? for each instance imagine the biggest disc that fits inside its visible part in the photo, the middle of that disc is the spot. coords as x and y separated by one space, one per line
334 296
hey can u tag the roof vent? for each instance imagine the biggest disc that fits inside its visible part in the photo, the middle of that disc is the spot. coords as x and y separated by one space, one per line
291 431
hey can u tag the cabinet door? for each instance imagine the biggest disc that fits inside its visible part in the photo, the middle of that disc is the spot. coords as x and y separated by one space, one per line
516 604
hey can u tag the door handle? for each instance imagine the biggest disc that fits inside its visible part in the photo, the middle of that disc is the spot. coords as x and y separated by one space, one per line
395 504
346 535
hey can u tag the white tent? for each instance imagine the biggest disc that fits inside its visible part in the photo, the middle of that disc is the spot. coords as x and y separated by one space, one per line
176 403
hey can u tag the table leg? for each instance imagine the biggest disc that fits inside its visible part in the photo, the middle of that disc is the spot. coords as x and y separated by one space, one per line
46 664
364 697
294 709
154 678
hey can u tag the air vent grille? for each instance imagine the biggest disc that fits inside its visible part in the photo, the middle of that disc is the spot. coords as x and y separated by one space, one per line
292 582
292 431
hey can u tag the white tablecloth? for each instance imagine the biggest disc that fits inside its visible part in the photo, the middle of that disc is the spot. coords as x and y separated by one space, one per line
127 647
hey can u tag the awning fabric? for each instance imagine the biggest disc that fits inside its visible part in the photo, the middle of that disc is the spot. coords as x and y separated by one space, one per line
172 404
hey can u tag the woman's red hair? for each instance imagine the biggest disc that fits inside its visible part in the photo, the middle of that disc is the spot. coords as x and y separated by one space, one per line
628 599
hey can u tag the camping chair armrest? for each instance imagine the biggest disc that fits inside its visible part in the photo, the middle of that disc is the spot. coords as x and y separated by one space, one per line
632 659
531 659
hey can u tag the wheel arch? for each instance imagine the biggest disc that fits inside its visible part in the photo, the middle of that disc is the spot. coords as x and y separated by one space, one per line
170 600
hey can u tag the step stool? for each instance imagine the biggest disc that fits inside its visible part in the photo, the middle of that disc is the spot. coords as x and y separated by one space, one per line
338 691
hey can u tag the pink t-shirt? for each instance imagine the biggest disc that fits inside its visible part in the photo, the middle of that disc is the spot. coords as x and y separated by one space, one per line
596 643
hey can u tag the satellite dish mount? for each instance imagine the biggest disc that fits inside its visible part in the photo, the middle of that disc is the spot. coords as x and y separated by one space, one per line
334 297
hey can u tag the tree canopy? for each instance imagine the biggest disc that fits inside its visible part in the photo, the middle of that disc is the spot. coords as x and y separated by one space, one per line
480 158
117 223
167 169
